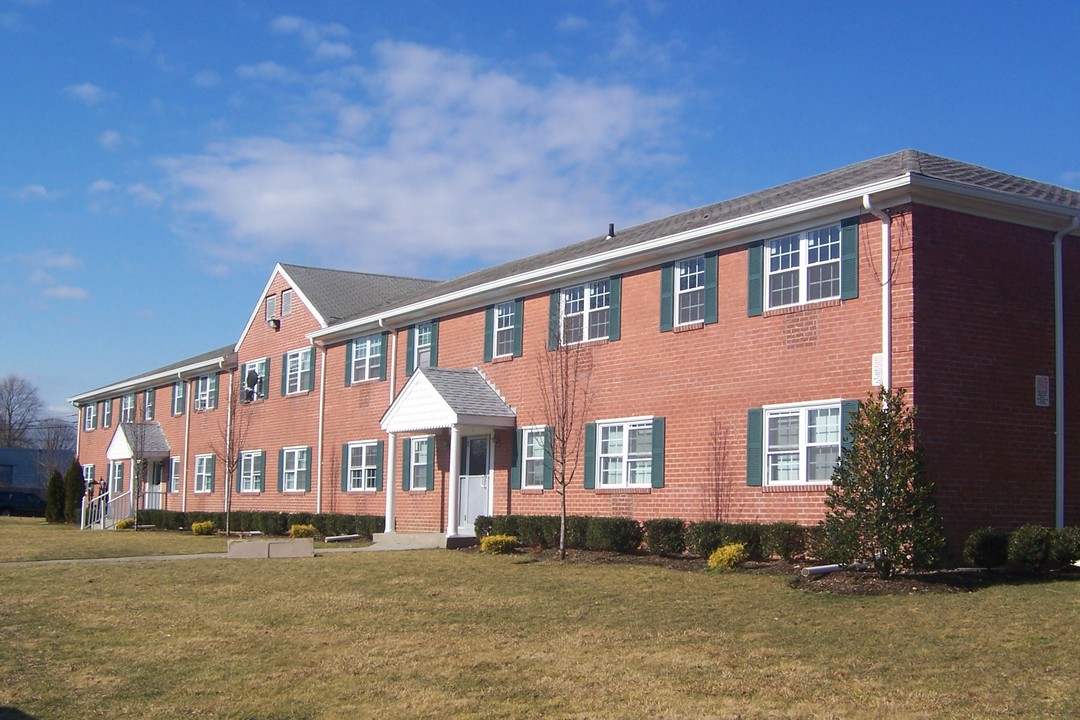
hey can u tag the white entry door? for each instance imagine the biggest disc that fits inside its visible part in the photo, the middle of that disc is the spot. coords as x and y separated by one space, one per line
474 483
152 499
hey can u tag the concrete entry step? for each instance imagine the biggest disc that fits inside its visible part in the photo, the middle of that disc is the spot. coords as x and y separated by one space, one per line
417 541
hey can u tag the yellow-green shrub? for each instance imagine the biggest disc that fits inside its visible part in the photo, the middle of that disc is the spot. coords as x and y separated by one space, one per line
206 527
125 524
302 531
728 556
498 544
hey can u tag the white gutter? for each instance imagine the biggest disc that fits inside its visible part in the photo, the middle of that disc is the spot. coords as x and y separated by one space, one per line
147 379
322 404
1059 375
886 291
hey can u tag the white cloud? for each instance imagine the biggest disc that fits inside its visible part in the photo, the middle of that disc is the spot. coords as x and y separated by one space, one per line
143 195
268 71
206 79
34 192
66 292
48 258
88 93
571 23
322 41
459 162
101 186
110 140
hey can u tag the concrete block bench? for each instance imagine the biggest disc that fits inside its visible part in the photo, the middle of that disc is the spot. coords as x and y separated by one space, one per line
271 548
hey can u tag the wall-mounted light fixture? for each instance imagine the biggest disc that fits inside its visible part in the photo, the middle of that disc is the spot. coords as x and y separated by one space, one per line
274 324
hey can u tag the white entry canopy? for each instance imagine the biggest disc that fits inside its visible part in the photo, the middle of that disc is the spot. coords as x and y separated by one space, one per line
440 398
143 439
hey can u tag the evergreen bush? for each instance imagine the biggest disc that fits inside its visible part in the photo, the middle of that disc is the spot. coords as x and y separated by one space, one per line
74 491
1065 546
504 525
986 547
728 557
302 531
54 498
204 527
618 534
784 539
665 536
1029 547
483 526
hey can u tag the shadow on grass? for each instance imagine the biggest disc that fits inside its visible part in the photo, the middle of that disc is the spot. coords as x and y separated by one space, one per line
953 580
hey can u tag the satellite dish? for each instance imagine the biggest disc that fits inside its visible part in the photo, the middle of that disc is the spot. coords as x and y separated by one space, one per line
251 385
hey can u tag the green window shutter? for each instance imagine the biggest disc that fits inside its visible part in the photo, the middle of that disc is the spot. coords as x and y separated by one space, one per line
345 467
754 418
710 287
658 452
667 296
212 462
281 470
239 469
383 342
431 464
348 363
555 299
284 374
755 278
615 310
489 331
307 470
311 366
849 412
434 344
406 462
410 350
519 325
849 258
264 386
213 391
380 454
590 456
260 468
549 460
519 459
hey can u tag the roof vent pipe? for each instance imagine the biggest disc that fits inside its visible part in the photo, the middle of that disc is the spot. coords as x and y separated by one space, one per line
610 230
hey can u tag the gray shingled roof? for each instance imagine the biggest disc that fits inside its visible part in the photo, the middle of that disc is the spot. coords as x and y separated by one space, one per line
467 392
342 294
846 178
220 352
153 439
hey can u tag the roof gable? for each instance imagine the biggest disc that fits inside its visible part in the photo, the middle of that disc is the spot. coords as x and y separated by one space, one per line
439 397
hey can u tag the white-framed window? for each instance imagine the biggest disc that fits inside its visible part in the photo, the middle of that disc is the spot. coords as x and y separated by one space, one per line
251 471
363 466
127 408
178 398
90 417
804 267
87 475
422 348
203 392
367 358
294 468
420 462
532 461
116 477
690 291
505 323
585 312
204 473
106 413
174 474
149 404
298 376
254 380
624 453
271 308
286 303
802 443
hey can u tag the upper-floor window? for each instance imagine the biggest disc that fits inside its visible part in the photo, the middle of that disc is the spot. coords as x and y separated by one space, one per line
286 303
271 308
422 348
254 377
178 398
585 312
149 404
804 267
90 416
106 413
297 375
205 392
127 408
690 291
366 358
505 323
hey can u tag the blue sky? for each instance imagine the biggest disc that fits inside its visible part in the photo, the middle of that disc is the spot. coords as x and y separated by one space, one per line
157 158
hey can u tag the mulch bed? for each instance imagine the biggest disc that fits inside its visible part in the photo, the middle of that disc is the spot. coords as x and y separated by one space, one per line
844 582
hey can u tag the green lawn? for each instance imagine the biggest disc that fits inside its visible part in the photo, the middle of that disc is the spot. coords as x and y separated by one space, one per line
443 634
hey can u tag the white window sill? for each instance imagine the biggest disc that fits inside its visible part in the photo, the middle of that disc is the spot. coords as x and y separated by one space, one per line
639 489
797 487
812 305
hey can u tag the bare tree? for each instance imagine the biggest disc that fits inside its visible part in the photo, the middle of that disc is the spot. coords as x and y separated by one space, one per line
563 376
717 490
138 441
20 408
56 441
232 433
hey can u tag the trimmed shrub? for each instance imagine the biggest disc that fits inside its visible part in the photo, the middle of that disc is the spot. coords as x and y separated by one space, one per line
1065 546
504 525
498 544
483 526
577 527
302 531
728 557
125 524
1029 547
205 527
986 548
665 536
618 534
703 538
784 539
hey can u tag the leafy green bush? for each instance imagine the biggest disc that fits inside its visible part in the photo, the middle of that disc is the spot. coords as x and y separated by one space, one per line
483 526
986 548
1029 547
205 527
618 534
125 524
665 536
728 557
785 539
1065 546
302 531
504 525
498 544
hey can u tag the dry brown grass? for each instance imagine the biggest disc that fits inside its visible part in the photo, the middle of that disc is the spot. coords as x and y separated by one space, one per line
34 539
459 635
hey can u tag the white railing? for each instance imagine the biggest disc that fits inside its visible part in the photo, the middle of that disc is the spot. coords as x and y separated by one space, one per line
104 511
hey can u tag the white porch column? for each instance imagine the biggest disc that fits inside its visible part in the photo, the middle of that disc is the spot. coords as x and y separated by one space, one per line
391 481
452 491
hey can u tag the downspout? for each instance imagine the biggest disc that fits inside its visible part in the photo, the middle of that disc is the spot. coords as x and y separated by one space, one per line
322 406
1059 376
228 449
886 291
187 435
391 438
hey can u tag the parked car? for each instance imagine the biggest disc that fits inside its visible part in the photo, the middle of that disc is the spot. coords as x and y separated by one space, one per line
21 503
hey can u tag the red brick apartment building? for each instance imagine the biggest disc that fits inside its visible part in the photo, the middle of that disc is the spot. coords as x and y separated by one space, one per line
727 345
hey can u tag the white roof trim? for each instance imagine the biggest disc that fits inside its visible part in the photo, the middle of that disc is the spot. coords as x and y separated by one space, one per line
261 304
419 407
149 381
